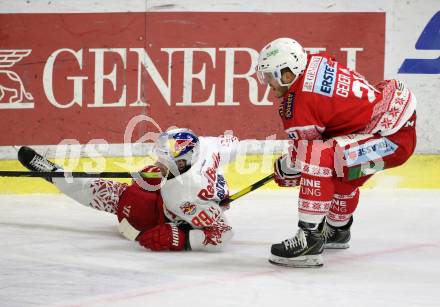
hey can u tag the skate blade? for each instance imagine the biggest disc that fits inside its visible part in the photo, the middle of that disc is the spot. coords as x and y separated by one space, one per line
311 261
336 245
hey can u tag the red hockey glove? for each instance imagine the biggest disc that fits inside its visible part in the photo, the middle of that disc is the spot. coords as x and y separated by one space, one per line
163 237
285 173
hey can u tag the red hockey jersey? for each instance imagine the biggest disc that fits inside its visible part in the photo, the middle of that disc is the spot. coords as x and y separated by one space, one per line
330 100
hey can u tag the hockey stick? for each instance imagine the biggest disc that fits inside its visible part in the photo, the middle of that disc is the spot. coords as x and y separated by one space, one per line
250 188
226 201
77 174
125 228
131 233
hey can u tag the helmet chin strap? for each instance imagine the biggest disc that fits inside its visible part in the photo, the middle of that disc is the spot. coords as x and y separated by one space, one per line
288 84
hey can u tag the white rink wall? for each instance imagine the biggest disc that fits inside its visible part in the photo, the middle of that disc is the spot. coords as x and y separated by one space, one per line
405 21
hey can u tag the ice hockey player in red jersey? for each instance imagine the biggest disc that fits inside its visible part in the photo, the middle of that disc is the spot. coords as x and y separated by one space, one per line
342 131
180 212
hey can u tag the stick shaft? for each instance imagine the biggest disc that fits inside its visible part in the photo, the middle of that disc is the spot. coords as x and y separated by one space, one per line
76 174
250 188
226 201
125 227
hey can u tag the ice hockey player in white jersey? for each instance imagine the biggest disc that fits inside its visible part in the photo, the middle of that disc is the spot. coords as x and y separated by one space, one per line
177 210
193 196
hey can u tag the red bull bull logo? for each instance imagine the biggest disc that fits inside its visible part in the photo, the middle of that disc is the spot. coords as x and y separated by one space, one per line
188 208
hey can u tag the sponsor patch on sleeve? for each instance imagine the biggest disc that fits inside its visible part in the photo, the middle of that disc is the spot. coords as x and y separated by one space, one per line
288 105
325 78
310 76
370 151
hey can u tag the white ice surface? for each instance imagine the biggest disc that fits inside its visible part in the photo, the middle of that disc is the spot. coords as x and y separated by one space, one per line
54 252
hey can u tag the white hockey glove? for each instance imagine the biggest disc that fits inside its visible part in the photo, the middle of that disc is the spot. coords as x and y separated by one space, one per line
286 175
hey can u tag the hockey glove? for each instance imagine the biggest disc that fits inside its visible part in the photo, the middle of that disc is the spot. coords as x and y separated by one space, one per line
285 173
163 237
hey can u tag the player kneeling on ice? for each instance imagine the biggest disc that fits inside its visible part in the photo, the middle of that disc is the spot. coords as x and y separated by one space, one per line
184 214
342 130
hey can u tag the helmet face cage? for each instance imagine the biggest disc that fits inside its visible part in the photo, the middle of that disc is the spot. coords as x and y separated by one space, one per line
266 77
277 55
175 145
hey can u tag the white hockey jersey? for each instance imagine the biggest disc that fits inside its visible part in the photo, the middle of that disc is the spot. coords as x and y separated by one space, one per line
194 196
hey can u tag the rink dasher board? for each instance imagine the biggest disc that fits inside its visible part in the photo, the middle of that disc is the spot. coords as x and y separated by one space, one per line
419 172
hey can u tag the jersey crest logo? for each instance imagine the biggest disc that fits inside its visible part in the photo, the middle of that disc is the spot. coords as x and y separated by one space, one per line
188 208
13 94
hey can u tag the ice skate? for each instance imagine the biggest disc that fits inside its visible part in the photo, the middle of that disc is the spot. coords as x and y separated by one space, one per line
337 237
36 162
303 250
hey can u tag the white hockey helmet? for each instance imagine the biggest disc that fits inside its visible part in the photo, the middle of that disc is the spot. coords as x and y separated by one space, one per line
277 55
177 144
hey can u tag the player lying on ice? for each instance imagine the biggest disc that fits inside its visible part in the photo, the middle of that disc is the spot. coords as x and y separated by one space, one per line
342 130
184 214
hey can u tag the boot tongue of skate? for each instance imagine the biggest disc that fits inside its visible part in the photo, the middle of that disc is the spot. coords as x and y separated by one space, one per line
310 226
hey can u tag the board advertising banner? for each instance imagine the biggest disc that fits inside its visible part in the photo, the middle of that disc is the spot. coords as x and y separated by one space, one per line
84 76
